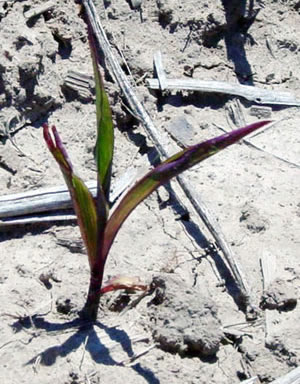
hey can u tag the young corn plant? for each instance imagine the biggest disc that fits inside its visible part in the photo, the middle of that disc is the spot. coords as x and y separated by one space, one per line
98 227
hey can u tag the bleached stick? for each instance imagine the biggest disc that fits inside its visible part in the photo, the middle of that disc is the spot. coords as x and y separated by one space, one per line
42 200
128 362
293 377
27 204
162 144
268 268
252 380
258 95
38 10
7 223
162 80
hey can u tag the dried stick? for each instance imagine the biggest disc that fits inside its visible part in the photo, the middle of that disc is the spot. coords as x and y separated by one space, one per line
162 80
268 269
258 95
53 199
252 380
38 10
43 200
162 144
128 362
83 352
7 223
293 377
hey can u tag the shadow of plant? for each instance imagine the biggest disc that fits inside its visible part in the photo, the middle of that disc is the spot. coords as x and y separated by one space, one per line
239 19
85 334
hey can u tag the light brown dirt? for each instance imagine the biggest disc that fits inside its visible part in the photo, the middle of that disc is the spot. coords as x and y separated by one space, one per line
253 192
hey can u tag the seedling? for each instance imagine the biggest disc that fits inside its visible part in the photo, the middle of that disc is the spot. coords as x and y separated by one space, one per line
98 226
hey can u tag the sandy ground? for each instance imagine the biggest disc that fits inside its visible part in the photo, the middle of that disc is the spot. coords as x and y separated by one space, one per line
190 330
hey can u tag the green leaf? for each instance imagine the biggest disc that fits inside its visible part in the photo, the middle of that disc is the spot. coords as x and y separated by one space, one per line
105 133
83 202
175 165
85 209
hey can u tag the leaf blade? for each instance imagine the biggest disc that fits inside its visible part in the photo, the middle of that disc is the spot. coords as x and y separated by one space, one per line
86 212
105 133
83 202
170 168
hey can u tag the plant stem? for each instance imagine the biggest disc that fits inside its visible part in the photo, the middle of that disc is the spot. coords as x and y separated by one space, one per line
90 309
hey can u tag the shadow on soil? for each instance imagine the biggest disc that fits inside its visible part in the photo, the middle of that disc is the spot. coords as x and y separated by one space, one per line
239 19
85 334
